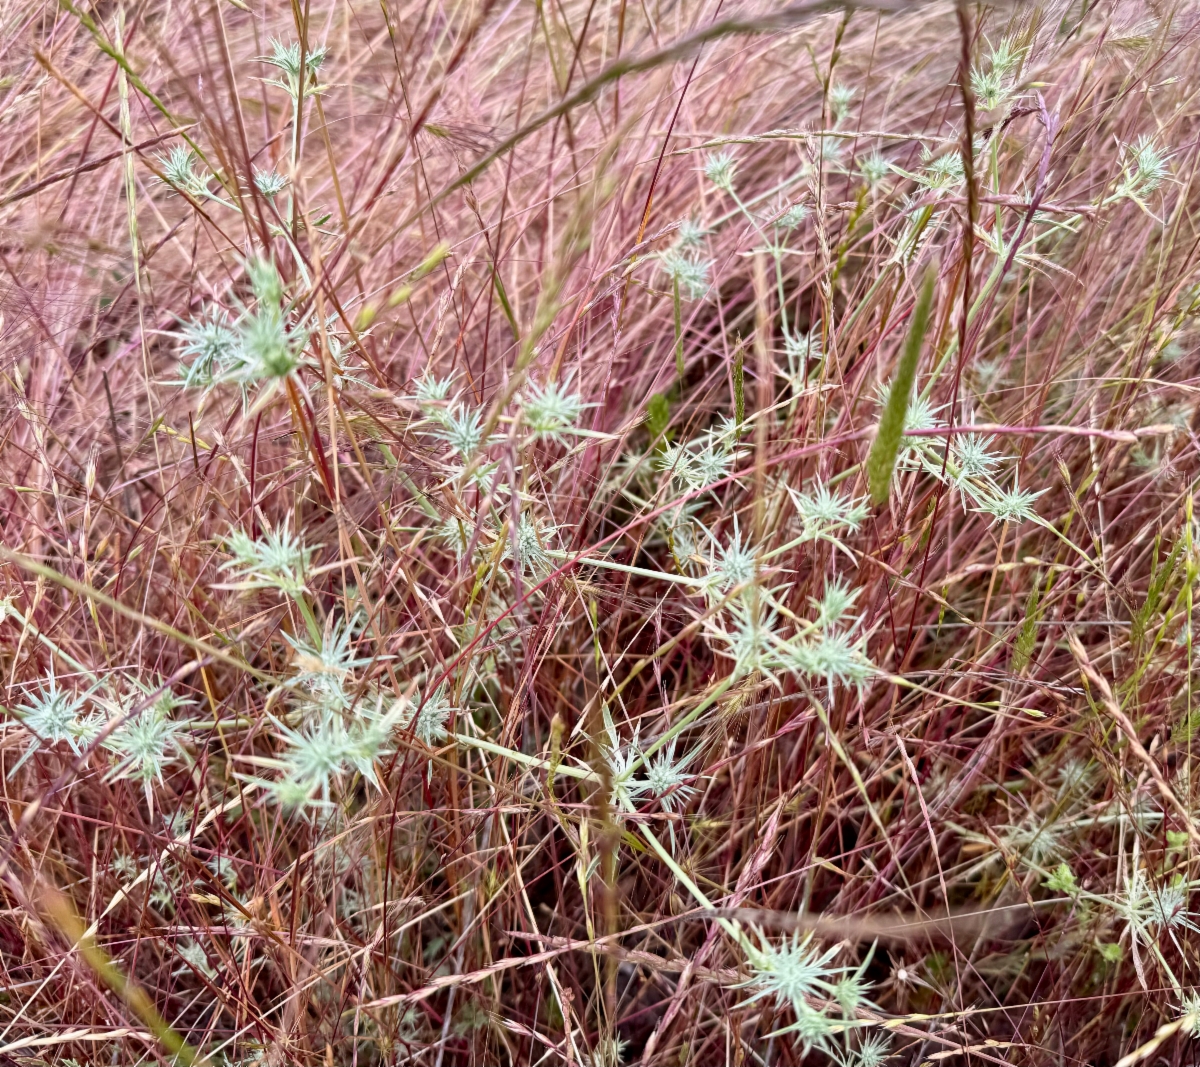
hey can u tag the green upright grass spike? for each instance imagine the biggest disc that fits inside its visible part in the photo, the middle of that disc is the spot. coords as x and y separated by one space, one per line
882 460
678 306
739 384
1027 638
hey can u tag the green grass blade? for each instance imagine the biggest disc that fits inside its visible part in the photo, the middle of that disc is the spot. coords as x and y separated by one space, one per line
882 460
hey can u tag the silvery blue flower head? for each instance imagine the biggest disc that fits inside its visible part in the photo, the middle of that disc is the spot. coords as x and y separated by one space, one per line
1013 505
49 712
150 739
874 168
1145 168
462 430
325 673
54 716
791 971
214 345
832 657
270 183
691 274
179 172
793 215
426 718
836 602
527 545
719 169
841 99
270 351
733 565
973 456
277 560
431 392
551 409
666 778
286 59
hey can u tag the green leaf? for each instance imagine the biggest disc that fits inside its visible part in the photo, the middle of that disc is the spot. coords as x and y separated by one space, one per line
739 384
882 460
1062 880
658 416
678 306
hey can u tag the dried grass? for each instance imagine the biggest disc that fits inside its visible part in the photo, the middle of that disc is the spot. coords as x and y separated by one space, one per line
993 823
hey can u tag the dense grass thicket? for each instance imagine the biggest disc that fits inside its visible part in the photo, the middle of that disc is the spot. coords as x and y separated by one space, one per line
595 532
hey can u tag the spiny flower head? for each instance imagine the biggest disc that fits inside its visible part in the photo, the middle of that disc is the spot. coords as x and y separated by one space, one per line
1167 907
269 350
621 759
943 173
1145 168
455 534
430 392
270 183
265 282
874 168
841 98
719 169
823 511
1189 1006
832 657
50 712
324 673
753 640
813 1028
990 87
277 560
791 971
793 216
688 272
179 172
550 410
733 565
124 866
286 58
835 603
1005 56
689 234
194 957
315 759
850 991
873 1051
666 777
921 415
427 719
1009 505
975 461
698 465
800 348
462 430
148 742
609 1052
215 346
528 544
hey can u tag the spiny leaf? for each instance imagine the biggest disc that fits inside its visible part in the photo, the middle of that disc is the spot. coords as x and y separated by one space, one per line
882 460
